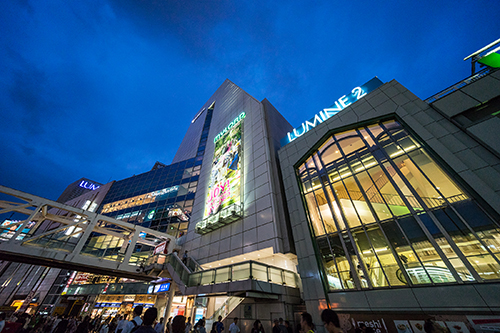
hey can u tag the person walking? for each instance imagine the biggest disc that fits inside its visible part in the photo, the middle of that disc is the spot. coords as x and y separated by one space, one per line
104 327
159 326
2 321
185 258
233 328
281 326
136 321
201 326
122 321
62 326
188 322
220 325
331 321
84 326
149 319
276 328
179 324
306 323
257 327
214 328
169 325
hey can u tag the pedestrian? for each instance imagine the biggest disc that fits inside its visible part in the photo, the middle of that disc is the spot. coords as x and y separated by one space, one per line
149 319
122 321
179 324
331 321
214 328
276 328
84 326
2 321
233 328
306 323
62 326
113 324
169 325
135 322
289 328
159 326
220 325
188 323
55 323
104 327
361 328
200 326
257 327
185 258
281 326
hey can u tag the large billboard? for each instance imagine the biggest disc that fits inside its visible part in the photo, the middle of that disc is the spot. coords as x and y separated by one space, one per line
224 185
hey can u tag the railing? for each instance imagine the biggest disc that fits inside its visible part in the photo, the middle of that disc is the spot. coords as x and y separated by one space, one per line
248 270
227 215
459 85
226 308
114 254
244 271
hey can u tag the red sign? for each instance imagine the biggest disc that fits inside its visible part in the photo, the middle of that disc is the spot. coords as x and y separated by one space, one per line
161 248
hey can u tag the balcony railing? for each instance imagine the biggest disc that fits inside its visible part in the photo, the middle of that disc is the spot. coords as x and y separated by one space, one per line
227 215
248 270
460 84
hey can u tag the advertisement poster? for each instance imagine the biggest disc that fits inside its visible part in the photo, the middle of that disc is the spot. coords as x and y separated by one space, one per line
485 324
457 327
417 326
402 326
224 185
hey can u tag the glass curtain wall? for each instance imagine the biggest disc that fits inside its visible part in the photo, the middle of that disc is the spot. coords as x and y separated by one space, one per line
385 214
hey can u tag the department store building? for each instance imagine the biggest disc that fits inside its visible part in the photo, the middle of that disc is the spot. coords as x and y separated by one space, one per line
394 206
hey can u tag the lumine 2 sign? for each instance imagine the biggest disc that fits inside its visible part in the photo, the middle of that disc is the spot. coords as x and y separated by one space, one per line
339 105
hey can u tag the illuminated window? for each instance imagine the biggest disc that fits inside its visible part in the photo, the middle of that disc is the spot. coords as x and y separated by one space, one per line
384 213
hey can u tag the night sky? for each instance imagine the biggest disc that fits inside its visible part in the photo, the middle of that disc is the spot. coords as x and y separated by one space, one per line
102 89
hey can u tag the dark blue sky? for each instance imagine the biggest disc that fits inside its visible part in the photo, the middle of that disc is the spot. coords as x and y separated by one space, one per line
104 88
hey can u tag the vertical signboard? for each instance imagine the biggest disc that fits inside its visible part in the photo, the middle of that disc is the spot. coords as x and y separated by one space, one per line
224 185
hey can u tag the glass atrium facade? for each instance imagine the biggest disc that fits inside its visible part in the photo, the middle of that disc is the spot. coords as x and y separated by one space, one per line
160 199
383 213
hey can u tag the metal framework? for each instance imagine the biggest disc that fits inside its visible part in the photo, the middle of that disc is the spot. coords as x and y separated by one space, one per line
58 235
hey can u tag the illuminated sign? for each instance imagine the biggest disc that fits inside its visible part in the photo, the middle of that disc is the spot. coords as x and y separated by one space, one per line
229 127
339 105
143 199
224 184
163 287
161 248
88 185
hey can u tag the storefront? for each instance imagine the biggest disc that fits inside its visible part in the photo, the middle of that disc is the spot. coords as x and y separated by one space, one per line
117 305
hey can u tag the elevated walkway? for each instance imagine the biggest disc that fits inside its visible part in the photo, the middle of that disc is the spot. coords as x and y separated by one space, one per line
244 279
57 235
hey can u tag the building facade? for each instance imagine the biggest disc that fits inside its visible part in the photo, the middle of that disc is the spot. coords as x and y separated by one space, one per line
394 204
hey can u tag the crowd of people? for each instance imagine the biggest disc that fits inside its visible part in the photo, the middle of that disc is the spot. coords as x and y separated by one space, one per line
148 323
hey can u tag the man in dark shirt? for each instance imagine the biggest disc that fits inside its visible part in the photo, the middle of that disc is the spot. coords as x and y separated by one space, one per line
147 324
276 328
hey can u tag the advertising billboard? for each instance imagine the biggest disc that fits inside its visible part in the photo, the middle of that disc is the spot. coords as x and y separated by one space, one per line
224 185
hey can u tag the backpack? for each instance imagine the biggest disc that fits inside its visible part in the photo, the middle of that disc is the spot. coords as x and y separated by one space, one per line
135 326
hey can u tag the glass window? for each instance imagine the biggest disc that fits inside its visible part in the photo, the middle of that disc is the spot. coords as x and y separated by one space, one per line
373 194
